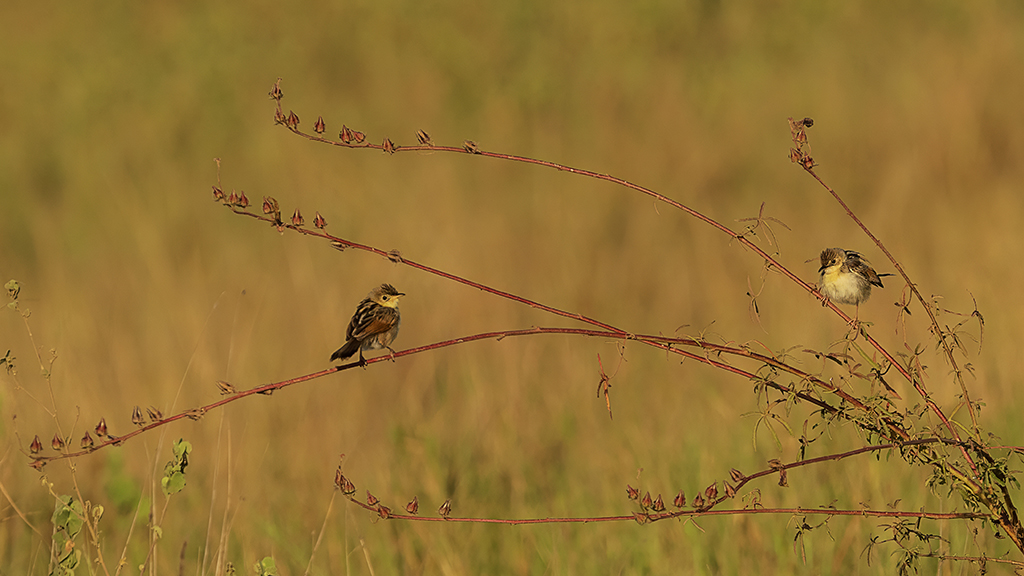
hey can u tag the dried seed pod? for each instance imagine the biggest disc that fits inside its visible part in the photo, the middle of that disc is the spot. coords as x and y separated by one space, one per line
137 418
424 138
698 501
445 509
319 221
711 492
275 92
36 446
413 507
319 126
659 505
155 415
87 440
388 146
736 475
346 134
218 194
347 487
270 206
358 136
297 218
384 512
225 388
293 120
729 490
57 443
646 502
371 499
242 200
101 428
343 483
633 493
680 500
471 147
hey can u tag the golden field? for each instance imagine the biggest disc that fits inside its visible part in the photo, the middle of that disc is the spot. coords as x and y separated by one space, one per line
149 292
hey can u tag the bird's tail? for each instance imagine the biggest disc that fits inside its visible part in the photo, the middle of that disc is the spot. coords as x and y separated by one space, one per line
350 348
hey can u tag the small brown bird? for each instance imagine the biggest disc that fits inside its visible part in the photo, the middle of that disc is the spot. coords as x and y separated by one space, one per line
374 325
846 277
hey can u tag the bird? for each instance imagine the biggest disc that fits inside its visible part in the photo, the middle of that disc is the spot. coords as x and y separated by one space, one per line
374 325
846 276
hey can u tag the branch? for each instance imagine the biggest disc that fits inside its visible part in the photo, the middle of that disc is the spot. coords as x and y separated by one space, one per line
357 140
233 395
664 343
800 155
644 518
654 514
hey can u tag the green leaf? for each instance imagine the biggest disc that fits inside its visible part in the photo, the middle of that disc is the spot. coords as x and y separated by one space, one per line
266 567
13 289
174 472
182 448
60 544
173 484
69 562
67 515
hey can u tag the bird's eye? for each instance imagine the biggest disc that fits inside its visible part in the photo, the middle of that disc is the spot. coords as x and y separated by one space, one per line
385 297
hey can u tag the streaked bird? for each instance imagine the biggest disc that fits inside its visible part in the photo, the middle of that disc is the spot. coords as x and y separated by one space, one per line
846 276
374 325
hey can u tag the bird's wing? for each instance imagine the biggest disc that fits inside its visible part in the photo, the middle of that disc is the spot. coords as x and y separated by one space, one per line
859 267
363 313
376 321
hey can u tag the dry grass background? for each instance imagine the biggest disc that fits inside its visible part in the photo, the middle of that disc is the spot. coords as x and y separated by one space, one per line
148 291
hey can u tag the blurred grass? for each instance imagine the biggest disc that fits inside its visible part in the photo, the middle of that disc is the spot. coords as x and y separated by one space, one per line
149 292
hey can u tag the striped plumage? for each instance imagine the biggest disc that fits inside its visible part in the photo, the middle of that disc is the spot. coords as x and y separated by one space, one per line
374 325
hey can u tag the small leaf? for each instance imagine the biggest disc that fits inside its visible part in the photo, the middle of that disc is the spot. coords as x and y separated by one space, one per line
13 289
182 448
266 567
173 484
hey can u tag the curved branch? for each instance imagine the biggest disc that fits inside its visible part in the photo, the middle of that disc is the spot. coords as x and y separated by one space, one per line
291 122
644 518
267 389
656 341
